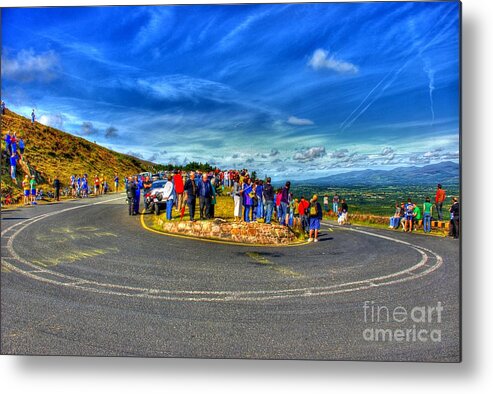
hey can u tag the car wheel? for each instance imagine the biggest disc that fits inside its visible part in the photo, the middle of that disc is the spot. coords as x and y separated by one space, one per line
157 209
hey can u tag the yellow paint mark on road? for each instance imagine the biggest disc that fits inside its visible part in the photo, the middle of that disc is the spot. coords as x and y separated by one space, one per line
5 269
73 256
285 271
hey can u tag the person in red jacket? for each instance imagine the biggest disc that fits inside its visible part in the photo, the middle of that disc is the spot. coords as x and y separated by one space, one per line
439 199
179 189
302 209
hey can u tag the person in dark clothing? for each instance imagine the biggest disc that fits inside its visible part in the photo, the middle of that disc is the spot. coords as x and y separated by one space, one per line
191 191
268 194
56 185
131 196
147 187
454 219
205 195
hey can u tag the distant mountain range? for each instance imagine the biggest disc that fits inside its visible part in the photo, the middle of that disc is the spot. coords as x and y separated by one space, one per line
446 173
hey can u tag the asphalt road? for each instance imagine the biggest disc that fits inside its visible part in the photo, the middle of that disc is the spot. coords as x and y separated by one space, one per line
84 278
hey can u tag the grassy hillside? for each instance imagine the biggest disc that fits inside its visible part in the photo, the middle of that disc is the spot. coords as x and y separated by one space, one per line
51 152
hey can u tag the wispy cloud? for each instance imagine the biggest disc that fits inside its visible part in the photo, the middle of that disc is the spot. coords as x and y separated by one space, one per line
87 129
299 121
28 66
321 60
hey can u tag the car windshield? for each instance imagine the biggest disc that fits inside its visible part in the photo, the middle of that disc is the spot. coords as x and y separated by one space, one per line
158 184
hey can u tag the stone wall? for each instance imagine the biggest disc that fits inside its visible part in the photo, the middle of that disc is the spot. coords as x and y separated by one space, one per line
254 233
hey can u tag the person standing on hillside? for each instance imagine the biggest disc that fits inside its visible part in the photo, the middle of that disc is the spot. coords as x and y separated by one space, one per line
22 146
191 195
13 143
26 187
439 199
268 194
33 117
56 185
179 189
33 184
454 218
13 166
116 180
8 142
315 216
427 212
3 107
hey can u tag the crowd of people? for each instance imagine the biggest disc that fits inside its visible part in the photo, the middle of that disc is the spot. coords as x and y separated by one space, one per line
411 215
255 200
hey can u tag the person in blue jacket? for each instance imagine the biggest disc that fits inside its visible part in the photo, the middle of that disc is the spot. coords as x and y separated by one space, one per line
247 199
140 186
205 194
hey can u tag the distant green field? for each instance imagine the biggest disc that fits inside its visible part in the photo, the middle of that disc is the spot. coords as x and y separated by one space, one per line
377 201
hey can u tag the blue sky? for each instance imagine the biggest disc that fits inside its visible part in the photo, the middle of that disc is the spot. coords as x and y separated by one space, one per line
290 90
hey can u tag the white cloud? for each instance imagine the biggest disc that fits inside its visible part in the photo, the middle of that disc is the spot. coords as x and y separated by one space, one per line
27 66
52 120
320 60
299 121
309 154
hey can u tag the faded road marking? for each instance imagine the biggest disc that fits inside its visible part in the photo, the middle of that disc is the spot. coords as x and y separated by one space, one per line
259 259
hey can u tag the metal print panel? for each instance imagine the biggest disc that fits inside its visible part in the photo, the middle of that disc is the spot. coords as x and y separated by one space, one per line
266 181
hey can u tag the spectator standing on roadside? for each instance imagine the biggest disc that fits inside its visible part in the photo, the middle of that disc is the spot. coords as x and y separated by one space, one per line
237 191
213 202
260 201
191 195
168 196
131 195
116 180
417 216
427 212
205 194
302 209
439 199
26 187
33 184
408 216
326 203
268 195
454 218
247 198
315 216
335 203
284 206
56 185
179 189
147 187
344 211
